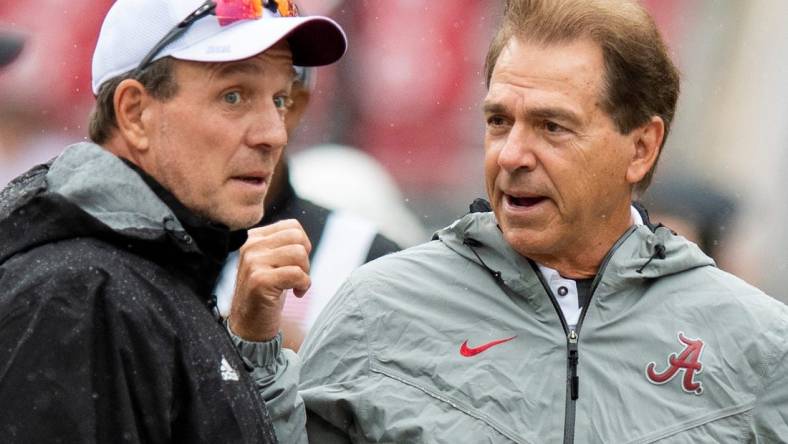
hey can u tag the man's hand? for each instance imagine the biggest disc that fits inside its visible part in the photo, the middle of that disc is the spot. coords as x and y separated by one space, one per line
274 259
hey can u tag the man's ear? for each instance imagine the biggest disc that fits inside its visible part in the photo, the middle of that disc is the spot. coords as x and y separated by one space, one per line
130 101
648 142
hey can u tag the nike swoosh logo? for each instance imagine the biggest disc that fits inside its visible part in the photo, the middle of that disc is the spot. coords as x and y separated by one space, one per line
473 351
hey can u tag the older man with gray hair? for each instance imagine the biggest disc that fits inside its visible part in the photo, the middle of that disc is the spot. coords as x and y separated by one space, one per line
557 312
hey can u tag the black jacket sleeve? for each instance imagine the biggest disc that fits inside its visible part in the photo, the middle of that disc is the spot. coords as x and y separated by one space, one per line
72 368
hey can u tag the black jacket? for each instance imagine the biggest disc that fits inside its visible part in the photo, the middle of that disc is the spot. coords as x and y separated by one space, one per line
106 327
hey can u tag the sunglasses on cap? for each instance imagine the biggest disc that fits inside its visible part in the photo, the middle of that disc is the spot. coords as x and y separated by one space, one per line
227 12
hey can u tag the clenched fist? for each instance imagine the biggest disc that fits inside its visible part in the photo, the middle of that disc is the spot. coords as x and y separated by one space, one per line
274 259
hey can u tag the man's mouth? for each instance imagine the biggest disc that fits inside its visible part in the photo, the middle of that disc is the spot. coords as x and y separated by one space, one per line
252 180
255 179
524 201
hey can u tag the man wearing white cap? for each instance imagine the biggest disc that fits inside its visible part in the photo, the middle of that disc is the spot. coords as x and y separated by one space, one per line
109 253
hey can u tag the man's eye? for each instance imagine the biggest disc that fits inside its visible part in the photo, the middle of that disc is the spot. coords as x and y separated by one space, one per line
282 102
553 127
495 121
233 98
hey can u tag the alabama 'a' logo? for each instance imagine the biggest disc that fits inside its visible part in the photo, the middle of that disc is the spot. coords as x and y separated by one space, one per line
687 361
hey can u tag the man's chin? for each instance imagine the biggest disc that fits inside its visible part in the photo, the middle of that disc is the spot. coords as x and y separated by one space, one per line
529 242
241 219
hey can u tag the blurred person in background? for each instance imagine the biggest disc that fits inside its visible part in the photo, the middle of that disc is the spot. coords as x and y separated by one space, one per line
319 174
22 141
17 124
341 241
110 252
700 212
558 312
10 46
45 93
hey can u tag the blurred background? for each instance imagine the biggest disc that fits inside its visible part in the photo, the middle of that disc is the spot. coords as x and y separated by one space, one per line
408 95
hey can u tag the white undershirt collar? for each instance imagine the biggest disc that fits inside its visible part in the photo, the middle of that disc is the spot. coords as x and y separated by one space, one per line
565 290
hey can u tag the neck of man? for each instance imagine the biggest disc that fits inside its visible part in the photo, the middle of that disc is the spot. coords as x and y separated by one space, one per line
582 257
117 146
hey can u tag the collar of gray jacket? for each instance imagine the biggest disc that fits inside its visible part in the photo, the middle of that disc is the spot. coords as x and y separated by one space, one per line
106 188
629 254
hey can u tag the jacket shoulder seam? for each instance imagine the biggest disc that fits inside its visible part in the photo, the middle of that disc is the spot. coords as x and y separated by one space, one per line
357 307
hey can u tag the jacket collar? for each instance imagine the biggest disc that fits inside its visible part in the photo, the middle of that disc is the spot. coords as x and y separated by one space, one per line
103 186
631 261
89 192
213 239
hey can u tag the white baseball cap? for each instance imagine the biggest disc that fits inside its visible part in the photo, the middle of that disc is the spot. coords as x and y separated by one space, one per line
133 27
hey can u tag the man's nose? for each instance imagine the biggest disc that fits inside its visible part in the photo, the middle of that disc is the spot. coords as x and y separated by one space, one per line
267 129
518 149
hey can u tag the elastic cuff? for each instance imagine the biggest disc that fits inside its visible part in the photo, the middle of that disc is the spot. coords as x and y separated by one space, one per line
259 354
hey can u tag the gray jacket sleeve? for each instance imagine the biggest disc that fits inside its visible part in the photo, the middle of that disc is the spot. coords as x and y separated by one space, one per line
339 394
770 416
336 382
275 372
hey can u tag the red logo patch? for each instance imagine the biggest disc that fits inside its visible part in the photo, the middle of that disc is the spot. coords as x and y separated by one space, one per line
688 361
473 351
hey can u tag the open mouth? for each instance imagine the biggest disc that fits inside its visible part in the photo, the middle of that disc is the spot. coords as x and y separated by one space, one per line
251 180
524 202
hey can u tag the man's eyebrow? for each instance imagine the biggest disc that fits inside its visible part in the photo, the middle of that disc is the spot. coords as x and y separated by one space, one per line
229 69
539 113
494 108
550 113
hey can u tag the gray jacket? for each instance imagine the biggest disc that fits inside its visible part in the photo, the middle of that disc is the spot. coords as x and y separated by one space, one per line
459 341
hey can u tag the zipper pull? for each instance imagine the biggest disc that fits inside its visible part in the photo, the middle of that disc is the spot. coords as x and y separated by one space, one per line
574 380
